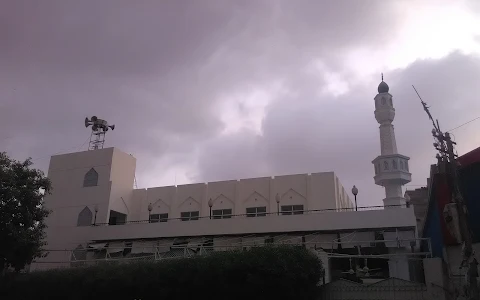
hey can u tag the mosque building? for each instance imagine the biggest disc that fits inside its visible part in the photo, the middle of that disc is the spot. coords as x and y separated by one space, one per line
98 215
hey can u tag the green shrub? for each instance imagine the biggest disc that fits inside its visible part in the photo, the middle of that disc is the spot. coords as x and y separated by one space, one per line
260 273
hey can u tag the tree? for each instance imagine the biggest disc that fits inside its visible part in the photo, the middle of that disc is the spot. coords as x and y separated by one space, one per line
22 212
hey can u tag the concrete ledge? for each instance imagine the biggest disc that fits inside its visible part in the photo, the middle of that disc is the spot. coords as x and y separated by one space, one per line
324 221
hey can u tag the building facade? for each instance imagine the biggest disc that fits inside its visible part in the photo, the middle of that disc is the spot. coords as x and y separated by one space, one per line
418 198
98 215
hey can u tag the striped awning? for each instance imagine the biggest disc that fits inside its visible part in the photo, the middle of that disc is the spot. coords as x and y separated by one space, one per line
288 239
226 243
115 247
144 247
164 245
326 241
97 246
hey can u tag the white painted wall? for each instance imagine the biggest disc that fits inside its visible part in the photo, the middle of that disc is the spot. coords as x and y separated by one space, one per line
314 191
115 191
122 177
324 221
69 197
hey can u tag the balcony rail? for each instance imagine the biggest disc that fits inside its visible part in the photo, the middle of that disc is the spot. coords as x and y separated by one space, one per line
259 214
88 257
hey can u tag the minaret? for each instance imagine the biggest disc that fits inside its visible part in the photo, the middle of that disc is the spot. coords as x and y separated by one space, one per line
391 168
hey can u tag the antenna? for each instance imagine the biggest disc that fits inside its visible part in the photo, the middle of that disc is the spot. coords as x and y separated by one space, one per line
99 128
440 144
426 108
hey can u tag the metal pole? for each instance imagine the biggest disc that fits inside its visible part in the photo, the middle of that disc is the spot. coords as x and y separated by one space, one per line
447 155
356 208
95 219
210 212
278 209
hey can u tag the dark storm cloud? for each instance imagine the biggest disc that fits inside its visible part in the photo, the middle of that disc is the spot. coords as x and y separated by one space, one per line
111 37
160 71
156 69
311 133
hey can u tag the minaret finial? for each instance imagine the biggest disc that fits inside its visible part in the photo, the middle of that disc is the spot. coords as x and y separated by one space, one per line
382 76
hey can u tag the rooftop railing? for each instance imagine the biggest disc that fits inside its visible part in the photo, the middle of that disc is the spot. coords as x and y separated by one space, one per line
257 214
162 251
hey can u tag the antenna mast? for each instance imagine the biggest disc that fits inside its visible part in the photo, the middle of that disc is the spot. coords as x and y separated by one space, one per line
99 128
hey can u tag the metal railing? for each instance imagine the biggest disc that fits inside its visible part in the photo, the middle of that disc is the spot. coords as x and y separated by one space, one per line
162 251
258 214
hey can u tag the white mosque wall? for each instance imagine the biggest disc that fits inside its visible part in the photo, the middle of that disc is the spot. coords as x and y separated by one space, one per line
324 221
122 177
316 191
113 191
75 207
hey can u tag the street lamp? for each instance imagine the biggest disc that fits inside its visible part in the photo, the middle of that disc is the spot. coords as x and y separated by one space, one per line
150 207
95 217
277 199
407 200
355 192
210 204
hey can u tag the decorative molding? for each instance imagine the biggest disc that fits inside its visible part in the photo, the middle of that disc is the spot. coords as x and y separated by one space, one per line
259 196
294 191
222 195
160 200
189 198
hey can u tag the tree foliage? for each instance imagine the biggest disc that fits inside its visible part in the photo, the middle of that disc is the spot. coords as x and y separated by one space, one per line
260 273
22 212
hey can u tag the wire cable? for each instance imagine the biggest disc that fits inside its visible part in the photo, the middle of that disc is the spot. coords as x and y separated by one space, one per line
464 124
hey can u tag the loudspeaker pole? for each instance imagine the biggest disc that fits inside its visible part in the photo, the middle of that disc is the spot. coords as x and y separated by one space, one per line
99 128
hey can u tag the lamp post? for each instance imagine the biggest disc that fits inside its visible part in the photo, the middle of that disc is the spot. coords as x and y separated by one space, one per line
277 199
407 200
355 192
95 217
210 204
150 207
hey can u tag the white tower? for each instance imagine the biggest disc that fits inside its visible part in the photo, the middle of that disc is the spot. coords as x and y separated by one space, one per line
391 168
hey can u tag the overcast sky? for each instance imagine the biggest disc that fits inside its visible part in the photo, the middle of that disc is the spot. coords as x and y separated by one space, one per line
215 90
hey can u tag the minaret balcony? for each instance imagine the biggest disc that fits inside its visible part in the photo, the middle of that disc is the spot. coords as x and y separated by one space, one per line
392 169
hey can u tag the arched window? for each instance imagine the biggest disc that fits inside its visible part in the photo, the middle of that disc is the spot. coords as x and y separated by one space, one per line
376 169
394 164
91 178
85 217
385 165
406 165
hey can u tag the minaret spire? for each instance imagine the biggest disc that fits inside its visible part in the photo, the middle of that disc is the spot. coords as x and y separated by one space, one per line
391 168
